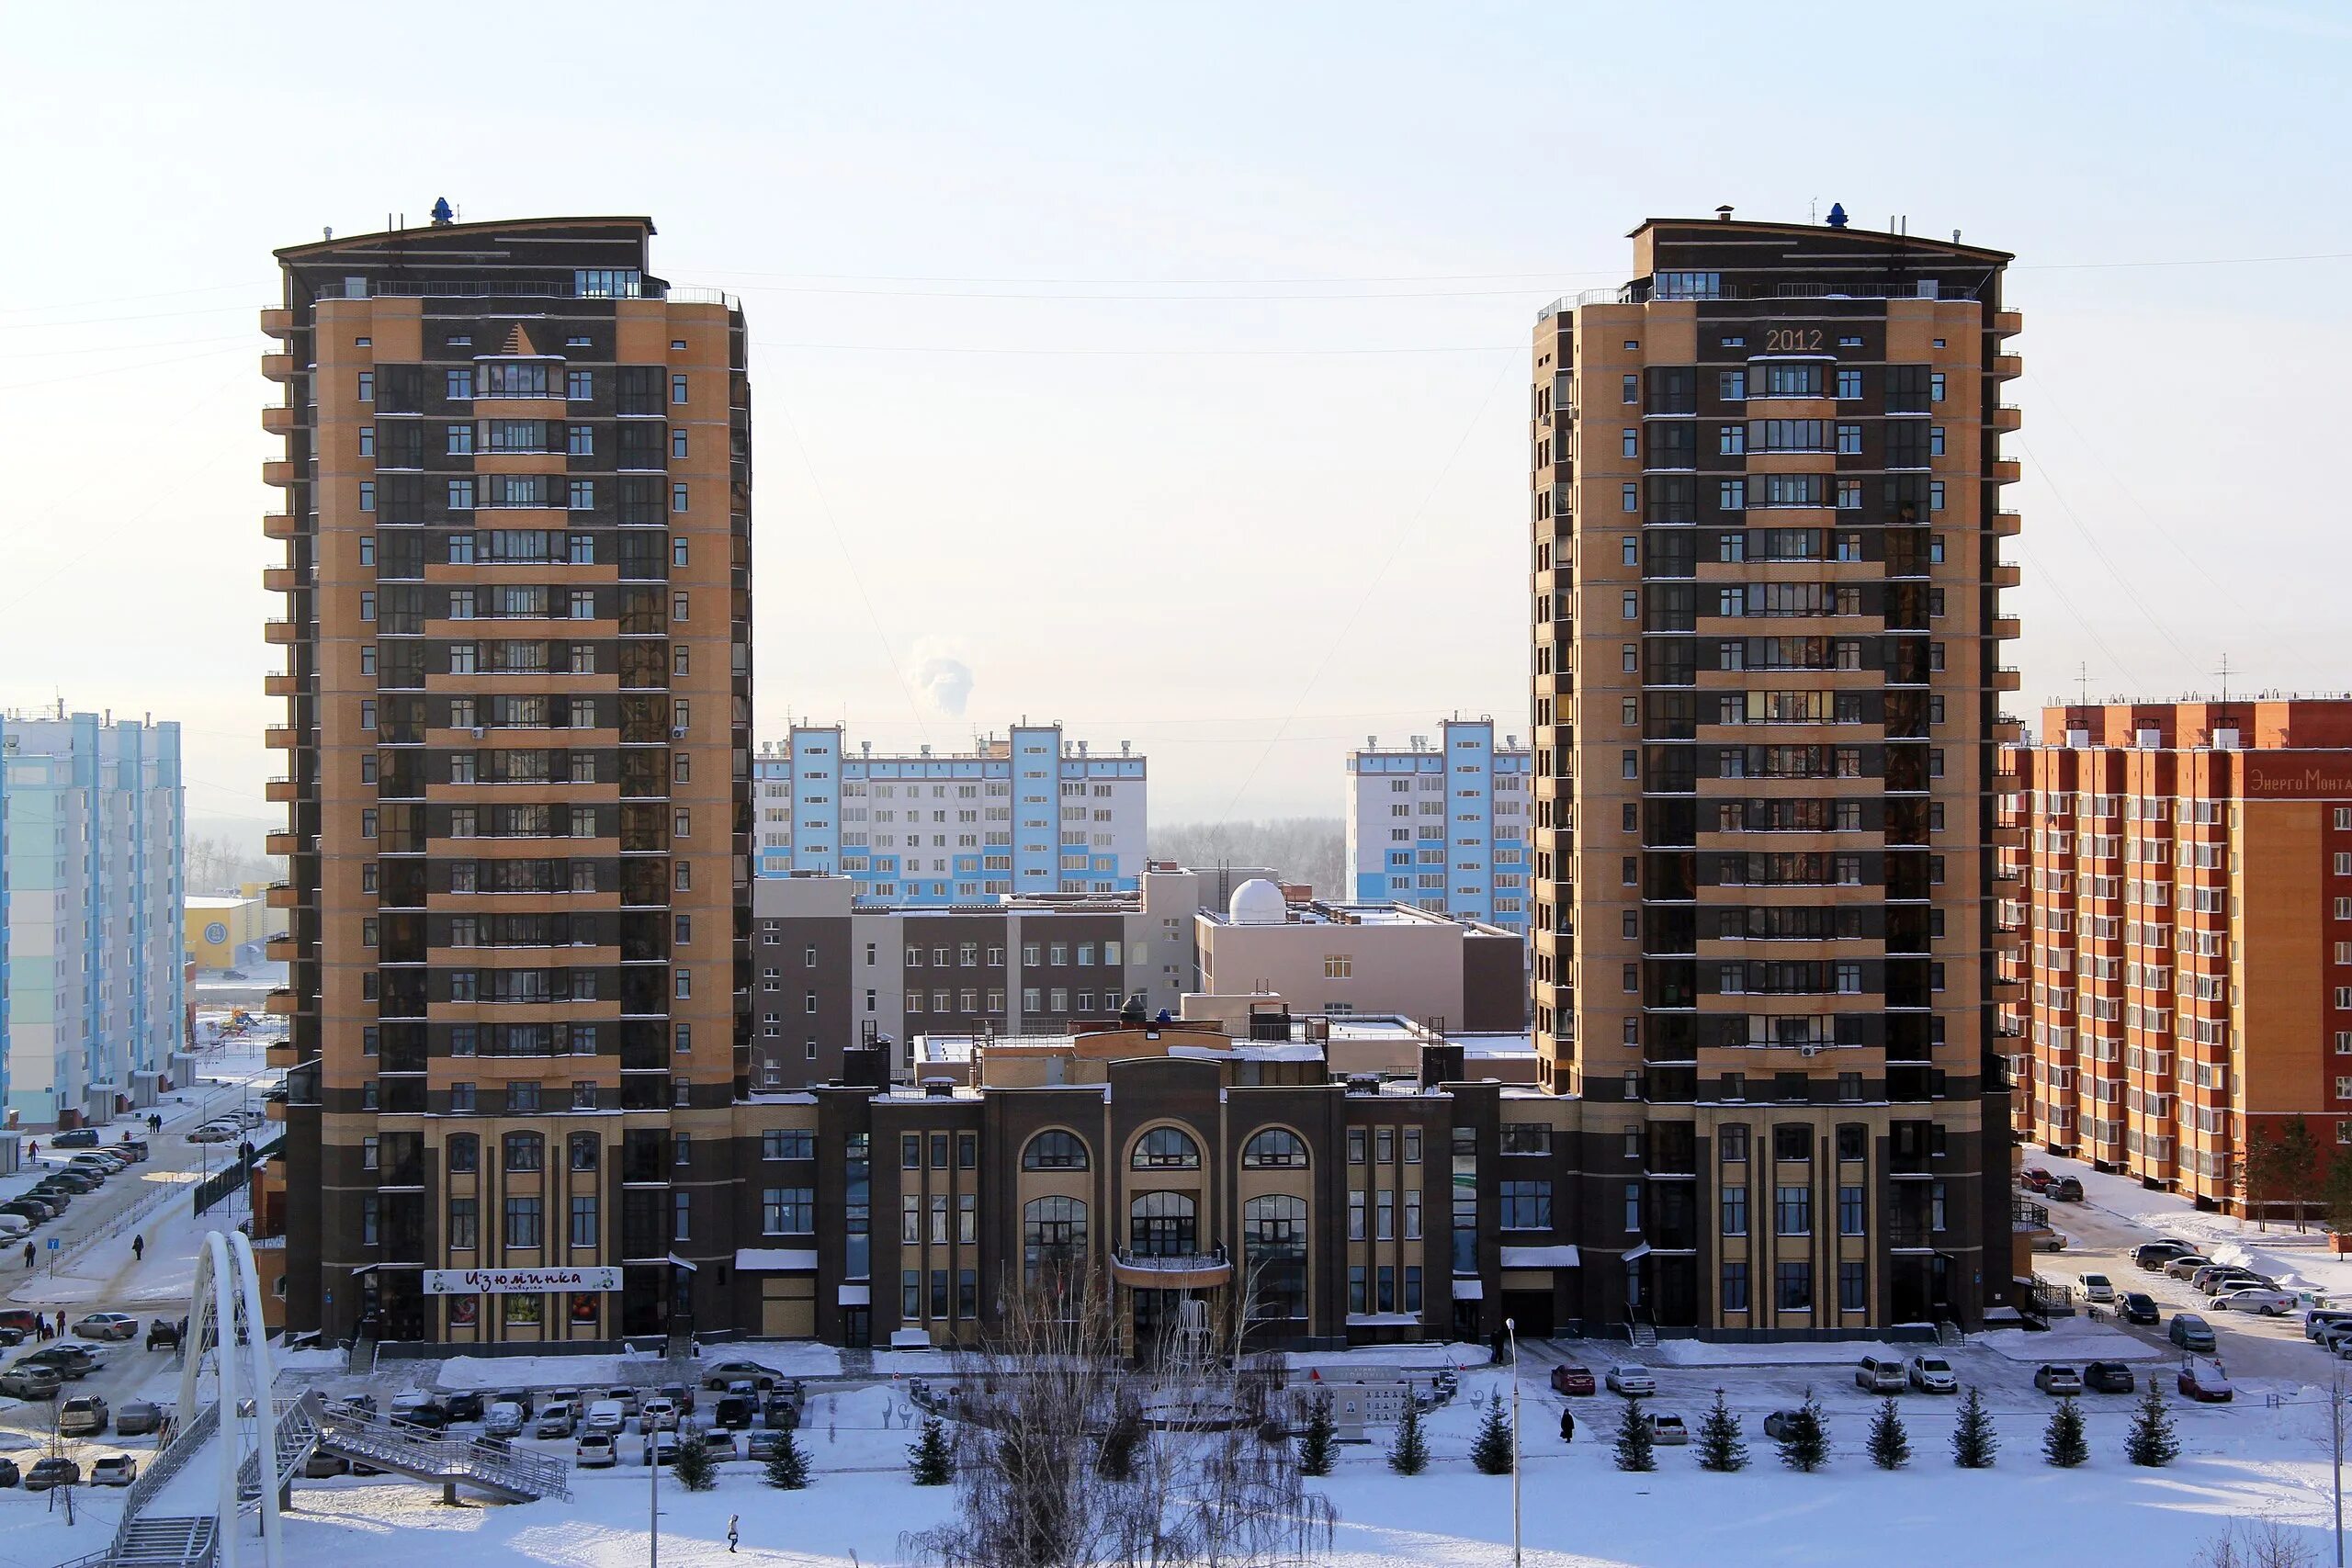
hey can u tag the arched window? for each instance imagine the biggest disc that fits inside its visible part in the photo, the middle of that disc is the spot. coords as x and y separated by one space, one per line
1275 1148
1273 1241
584 1151
1167 1148
1162 1224
1054 1150
1053 1236
522 1151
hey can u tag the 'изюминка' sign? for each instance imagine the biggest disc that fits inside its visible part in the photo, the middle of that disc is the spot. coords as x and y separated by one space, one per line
518 1281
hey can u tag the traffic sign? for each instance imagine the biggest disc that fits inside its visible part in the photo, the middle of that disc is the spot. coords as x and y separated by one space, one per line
53 1243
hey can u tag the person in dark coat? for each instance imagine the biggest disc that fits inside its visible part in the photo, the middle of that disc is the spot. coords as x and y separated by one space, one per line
1568 1425
29 1255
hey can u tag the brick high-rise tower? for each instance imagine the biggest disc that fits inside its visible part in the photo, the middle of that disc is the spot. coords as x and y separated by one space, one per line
517 572
1765 674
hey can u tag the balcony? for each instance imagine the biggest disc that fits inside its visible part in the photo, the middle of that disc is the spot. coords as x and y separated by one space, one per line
278 418
277 367
2007 525
279 791
2007 416
2008 939
2009 628
278 948
1187 1272
280 1003
280 472
279 737
2007 992
279 525
281 1053
2009 729
2007 677
2007 324
2007 366
276 321
280 579
281 633
273 1110
2009 836
281 683
282 895
277 843
2006 574
2006 472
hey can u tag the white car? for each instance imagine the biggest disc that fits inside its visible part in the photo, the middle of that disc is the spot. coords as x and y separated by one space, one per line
503 1419
2097 1288
2267 1301
595 1451
1666 1430
1633 1382
607 1417
657 1416
1933 1374
556 1419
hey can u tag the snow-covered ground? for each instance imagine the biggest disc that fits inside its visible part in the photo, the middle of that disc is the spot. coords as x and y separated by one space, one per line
2298 1260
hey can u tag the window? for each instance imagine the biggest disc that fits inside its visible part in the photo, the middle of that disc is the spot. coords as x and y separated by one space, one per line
788 1210
1275 1148
1167 1148
1850 1211
1731 1141
1735 1210
464 1222
1793 1286
1852 1287
1053 1236
1793 1211
1054 1149
1526 1205
522 1222
583 1220
1735 1290
582 1147
1526 1138
522 1149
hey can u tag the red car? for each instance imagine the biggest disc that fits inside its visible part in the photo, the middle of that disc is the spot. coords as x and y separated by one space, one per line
2036 1179
2204 1381
1572 1379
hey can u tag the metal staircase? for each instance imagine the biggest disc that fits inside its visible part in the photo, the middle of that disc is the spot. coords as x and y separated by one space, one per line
297 1436
163 1543
1640 1328
1948 1333
423 1454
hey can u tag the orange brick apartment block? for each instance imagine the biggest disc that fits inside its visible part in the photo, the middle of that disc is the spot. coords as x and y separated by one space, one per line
2184 873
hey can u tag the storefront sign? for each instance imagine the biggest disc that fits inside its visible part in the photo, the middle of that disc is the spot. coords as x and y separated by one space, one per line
518 1281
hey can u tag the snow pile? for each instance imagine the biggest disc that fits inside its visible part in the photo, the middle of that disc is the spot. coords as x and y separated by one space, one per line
1768 1353
2070 1339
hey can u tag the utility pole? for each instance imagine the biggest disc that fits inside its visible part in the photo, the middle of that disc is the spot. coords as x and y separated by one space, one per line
2336 1433
653 1500
1510 1328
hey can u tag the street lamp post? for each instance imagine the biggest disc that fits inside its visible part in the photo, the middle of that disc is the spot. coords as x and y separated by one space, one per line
2336 1436
1510 1327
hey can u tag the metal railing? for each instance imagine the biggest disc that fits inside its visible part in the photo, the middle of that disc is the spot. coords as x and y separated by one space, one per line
187 1442
420 1451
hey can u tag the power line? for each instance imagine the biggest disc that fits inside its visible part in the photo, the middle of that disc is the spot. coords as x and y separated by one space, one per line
1130 352
2112 571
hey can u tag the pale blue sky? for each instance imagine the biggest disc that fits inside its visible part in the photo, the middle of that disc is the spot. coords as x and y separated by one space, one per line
1075 307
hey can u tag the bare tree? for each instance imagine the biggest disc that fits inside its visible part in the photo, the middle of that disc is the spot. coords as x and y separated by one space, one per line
2257 1543
1312 850
1213 1482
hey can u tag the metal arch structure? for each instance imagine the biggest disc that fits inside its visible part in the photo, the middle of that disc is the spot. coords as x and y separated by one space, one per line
224 1316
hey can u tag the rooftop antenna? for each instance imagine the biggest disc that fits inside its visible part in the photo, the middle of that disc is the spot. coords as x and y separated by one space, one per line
2224 673
2083 679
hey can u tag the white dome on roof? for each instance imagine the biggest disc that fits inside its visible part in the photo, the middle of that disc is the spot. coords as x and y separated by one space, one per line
1257 902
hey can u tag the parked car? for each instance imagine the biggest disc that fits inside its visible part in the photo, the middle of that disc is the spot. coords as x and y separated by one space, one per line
2137 1306
2319 1321
48 1472
137 1418
67 1361
22 1381
594 1450
132 1149
1784 1423
758 1447
107 1325
2057 1378
503 1419
2096 1288
1933 1374
2035 1179
2191 1332
716 1378
2204 1277
419 1409
1635 1381
80 1184
518 1397
115 1469
557 1418
21 1318
163 1334
629 1399
2203 1380
83 1416
464 1404
660 1416
216 1133
2186 1265
657 1448
2109 1377
321 1465
736 1406
32 1211
9 1474
2260 1299
103 1165
1667 1429
14 1226
2154 1255
1571 1379
1881 1374
74 1138
718 1445
607 1417
2066 1190
360 1405
680 1394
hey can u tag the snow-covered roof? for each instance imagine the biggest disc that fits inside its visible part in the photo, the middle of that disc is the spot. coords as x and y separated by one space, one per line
1540 1258
776 1260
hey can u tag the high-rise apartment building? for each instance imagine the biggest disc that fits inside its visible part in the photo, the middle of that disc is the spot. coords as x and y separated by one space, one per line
2182 875
1443 829
91 851
1766 673
1031 812
518 529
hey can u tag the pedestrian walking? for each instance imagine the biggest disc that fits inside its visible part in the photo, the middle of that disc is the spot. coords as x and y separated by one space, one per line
29 1255
60 1322
1567 1426
139 1249
733 1521
32 1150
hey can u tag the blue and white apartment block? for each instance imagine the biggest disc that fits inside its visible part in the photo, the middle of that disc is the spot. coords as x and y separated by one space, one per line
1443 828
1033 812
91 859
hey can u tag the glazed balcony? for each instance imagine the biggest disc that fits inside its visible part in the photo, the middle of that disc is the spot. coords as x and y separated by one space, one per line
1184 1271
2006 470
280 472
279 791
2007 366
2007 525
2008 323
279 419
279 525
276 321
281 683
2007 416
282 632
277 367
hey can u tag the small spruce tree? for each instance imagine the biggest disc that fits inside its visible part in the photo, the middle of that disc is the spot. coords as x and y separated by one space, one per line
694 1467
2151 1441
1804 1444
1409 1453
1491 1452
1316 1448
1889 1444
787 1467
1973 1443
927 1455
2061 1443
1115 1460
1719 1447
1634 1449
